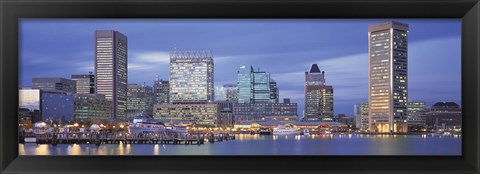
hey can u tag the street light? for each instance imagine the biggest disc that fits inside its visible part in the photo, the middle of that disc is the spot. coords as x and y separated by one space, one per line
76 124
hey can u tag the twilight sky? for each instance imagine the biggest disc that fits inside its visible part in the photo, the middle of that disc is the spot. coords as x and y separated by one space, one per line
285 48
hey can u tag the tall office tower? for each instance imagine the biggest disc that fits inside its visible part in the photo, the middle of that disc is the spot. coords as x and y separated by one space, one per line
139 100
318 96
111 69
388 55
161 90
54 83
274 92
416 113
255 86
191 77
357 111
85 83
245 84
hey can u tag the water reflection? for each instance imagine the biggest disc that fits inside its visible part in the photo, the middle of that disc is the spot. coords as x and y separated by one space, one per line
246 144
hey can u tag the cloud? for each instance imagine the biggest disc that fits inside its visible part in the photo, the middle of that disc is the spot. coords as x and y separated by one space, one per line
142 61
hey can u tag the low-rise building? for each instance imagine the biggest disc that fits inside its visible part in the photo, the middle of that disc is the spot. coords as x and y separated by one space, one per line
199 114
444 115
91 107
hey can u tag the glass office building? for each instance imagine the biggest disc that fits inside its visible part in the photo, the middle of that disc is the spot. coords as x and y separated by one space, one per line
111 69
388 55
55 105
255 86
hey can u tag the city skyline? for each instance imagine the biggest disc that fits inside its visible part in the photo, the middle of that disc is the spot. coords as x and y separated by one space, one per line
350 83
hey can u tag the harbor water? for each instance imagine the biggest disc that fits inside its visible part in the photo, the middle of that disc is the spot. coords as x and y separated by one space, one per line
246 144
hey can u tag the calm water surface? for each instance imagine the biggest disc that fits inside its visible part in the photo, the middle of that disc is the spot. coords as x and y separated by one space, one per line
271 145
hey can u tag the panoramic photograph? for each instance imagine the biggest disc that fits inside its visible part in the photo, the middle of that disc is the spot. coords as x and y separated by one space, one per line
240 87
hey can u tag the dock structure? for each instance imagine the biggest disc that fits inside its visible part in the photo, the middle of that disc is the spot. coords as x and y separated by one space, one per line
111 138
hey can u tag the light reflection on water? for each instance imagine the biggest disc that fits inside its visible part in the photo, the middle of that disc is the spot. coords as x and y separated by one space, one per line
246 144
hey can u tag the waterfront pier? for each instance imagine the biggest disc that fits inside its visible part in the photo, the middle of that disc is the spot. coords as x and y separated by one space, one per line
111 138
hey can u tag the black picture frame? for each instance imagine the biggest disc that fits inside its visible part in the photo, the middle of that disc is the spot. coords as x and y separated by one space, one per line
12 10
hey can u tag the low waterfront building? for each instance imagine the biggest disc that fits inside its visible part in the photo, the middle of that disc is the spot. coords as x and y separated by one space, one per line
54 83
444 115
91 107
261 111
312 126
199 114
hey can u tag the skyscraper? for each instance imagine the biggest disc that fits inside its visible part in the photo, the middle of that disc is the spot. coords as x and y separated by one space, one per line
85 83
388 57
245 84
161 90
54 83
255 86
318 96
191 77
111 69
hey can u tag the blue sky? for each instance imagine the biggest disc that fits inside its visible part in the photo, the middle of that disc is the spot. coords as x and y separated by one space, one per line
285 48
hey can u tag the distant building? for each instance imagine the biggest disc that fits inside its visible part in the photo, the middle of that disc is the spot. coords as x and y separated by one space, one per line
111 70
349 121
227 92
199 114
85 83
91 107
139 100
53 105
255 86
274 92
54 83
444 115
388 58
416 113
264 111
361 116
191 77
161 90
318 96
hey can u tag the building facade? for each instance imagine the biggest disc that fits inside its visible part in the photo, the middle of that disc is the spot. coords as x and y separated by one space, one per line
318 96
191 77
140 100
245 84
161 89
199 114
55 105
446 116
274 92
91 107
54 83
416 113
388 66
111 70
85 83
262 111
